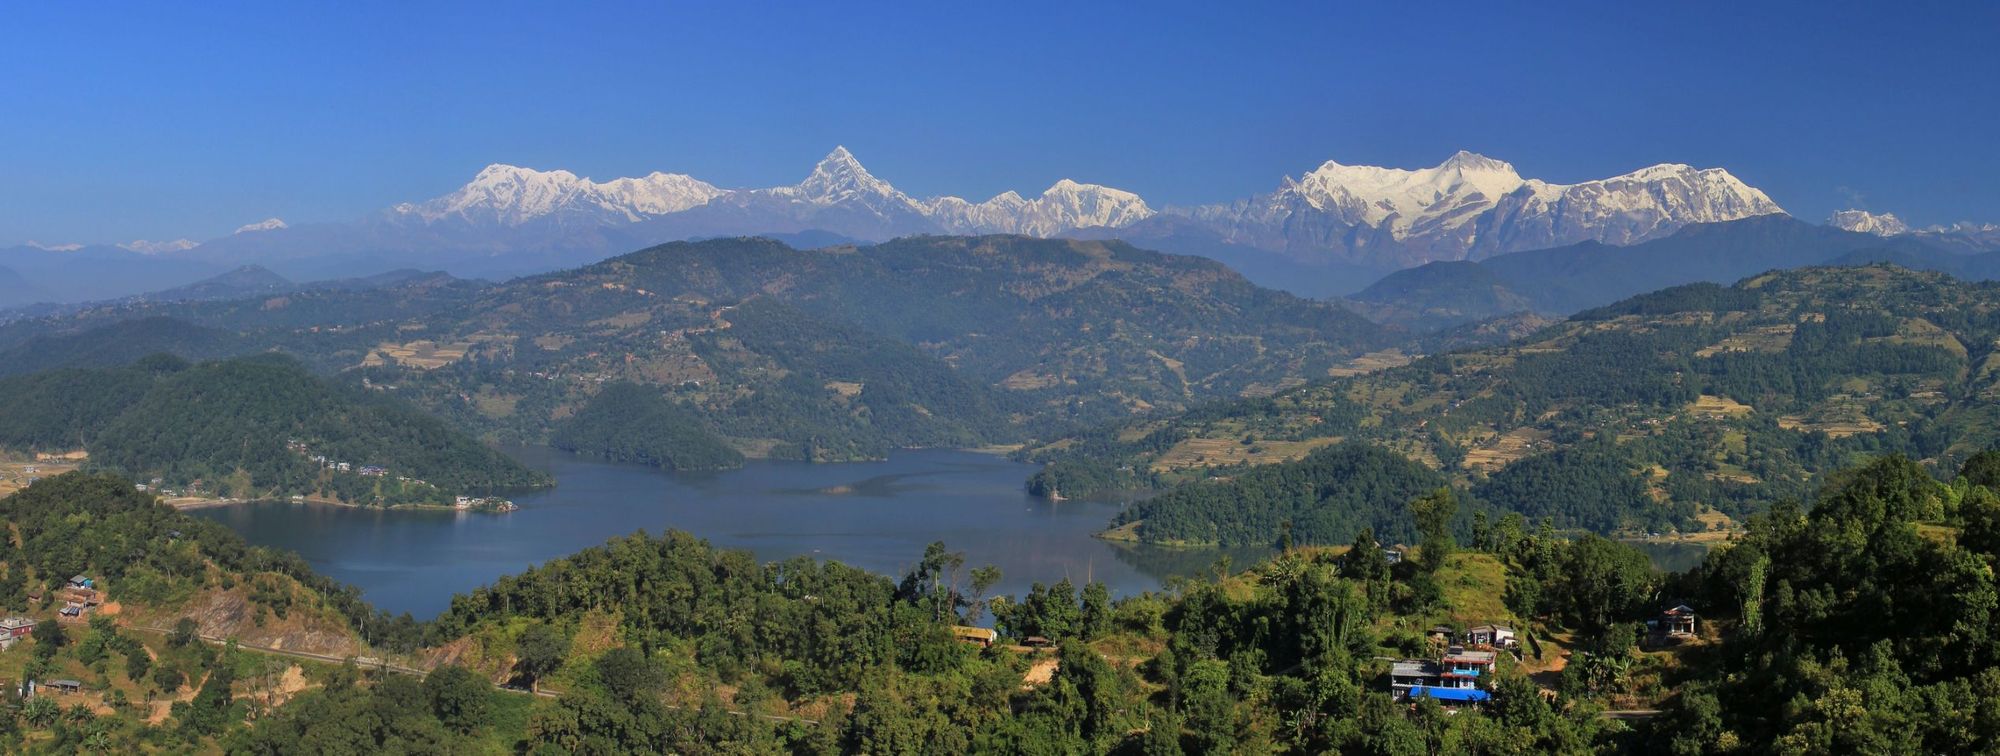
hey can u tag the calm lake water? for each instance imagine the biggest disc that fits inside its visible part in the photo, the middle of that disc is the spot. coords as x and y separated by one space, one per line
875 515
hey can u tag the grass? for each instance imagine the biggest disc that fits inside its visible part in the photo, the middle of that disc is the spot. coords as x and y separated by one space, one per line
1209 452
506 722
1474 586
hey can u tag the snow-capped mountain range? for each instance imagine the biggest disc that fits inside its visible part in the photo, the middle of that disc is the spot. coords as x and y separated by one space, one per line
507 195
1363 220
1472 206
1469 206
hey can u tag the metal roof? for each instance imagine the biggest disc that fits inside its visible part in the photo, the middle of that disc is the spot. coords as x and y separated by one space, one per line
1450 694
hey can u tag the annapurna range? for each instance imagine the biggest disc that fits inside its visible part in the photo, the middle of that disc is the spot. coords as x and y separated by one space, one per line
511 219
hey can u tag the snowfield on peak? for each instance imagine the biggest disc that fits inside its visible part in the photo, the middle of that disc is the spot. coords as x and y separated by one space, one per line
511 219
1883 224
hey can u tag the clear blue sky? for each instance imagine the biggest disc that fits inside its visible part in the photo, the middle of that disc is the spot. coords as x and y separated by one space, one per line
144 121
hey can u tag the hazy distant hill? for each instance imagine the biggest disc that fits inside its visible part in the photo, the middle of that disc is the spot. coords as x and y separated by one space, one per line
1666 409
1564 280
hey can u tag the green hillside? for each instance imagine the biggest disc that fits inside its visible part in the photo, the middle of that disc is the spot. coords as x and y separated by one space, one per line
249 427
1683 409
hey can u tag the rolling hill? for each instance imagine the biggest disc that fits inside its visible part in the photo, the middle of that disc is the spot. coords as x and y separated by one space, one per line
248 428
1564 280
1684 408
835 353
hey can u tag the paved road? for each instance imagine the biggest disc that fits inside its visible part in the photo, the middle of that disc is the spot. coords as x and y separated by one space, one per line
1630 714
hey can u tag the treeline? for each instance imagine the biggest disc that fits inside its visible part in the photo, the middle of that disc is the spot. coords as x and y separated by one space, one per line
1338 491
223 427
627 422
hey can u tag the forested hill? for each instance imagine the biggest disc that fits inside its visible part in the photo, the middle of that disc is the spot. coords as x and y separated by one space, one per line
836 353
250 427
1683 408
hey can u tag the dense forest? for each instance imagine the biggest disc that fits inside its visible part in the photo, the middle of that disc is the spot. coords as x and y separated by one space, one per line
627 422
1688 408
1853 622
250 427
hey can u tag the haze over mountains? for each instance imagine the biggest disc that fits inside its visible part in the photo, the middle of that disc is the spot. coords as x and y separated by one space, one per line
1329 231
512 219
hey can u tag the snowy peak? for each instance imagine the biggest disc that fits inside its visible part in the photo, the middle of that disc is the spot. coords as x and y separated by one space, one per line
512 195
1403 199
1467 206
1862 221
144 247
840 178
1065 206
1471 206
267 224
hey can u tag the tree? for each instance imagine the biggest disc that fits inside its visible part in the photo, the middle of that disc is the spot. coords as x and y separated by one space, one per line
137 664
628 675
1433 513
1364 560
49 637
1982 469
1096 610
539 651
167 679
208 713
186 631
459 698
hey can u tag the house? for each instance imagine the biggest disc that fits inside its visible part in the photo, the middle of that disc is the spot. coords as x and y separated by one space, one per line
1393 556
1464 668
81 581
1036 641
64 686
1412 673
13 629
1413 679
1440 634
82 597
1678 622
71 611
1494 636
978 636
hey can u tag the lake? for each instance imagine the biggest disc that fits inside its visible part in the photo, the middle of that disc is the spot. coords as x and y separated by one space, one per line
874 515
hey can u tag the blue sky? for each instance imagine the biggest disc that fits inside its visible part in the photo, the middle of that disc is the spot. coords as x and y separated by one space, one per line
149 121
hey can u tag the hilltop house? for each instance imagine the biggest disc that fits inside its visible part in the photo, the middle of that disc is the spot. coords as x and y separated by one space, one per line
1452 680
13 629
1677 622
1490 635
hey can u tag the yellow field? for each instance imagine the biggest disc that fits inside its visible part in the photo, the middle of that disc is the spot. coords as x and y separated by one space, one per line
1369 363
1718 406
1209 452
422 354
1505 449
16 470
